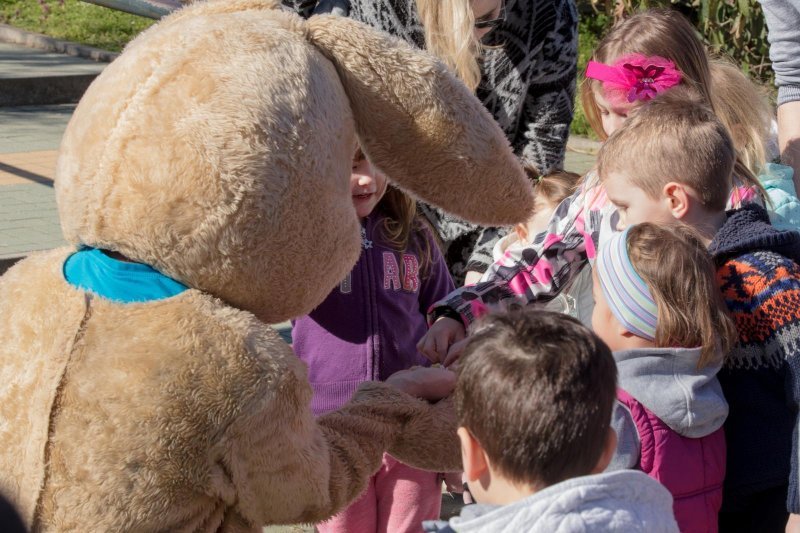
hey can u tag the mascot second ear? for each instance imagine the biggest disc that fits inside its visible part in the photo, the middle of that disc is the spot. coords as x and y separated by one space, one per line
422 126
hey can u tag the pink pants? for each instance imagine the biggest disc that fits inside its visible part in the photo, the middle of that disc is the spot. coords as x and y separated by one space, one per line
398 498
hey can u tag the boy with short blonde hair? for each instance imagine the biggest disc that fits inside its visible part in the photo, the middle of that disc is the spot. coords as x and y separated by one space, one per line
671 163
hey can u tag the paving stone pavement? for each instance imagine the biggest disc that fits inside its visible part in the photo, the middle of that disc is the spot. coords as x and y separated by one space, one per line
20 62
28 146
29 141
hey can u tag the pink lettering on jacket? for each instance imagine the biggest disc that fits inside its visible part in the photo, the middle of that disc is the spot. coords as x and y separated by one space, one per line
410 273
391 272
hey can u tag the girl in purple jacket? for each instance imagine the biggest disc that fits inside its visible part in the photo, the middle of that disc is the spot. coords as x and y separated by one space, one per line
367 329
657 307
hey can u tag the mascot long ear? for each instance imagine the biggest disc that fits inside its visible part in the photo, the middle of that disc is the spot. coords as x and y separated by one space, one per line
422 126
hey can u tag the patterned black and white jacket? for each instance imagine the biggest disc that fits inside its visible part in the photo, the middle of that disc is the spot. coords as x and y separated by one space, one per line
528 84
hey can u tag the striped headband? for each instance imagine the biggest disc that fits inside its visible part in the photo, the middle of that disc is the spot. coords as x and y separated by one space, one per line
624 289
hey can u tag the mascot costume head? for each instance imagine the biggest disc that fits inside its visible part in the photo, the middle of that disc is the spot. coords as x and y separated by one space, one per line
213 157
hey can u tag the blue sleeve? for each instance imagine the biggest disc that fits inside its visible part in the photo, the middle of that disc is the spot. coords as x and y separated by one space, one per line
784 212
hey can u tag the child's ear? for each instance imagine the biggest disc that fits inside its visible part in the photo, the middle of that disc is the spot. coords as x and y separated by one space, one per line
522 232
473 455
609 447
677 197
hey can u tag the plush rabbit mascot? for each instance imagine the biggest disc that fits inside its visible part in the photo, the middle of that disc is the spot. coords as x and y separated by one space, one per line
216 151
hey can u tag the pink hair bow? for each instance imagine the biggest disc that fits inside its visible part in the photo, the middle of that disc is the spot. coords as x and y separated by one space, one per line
635 77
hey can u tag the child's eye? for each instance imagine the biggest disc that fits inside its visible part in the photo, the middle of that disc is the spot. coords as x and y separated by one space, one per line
604 112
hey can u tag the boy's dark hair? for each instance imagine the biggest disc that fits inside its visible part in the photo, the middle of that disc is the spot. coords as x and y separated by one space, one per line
674 137
536 389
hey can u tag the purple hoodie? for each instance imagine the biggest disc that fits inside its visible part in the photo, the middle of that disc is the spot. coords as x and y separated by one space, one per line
368 327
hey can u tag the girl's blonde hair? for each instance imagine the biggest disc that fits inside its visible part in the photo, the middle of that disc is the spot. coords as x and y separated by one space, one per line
450 36
744 108
668 34
680 274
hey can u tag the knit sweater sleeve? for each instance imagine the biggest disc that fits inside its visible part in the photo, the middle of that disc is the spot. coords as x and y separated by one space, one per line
481 257
762 291
782 311
541 270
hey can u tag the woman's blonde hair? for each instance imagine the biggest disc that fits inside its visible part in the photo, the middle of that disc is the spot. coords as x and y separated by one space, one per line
680 274
668 34
743 106
449 35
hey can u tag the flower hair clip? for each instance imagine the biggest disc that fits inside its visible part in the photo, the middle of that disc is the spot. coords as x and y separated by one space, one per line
635 77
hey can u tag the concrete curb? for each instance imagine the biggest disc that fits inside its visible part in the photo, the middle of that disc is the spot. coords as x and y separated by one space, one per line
583 145
48 90
12 35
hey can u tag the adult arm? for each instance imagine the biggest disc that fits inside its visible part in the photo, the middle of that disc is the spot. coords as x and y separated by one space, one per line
783 23
789 136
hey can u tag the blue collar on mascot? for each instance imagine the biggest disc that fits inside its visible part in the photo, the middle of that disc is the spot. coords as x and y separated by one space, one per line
93 270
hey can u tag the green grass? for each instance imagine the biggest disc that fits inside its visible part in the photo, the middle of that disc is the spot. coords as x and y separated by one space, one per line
591 28
74 21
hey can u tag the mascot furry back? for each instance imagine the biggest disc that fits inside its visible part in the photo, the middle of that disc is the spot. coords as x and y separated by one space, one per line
212 160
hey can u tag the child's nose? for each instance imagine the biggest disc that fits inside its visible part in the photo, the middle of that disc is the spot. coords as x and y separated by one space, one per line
364 180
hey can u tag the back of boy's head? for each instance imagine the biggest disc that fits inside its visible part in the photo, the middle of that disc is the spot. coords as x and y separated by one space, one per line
675 137
536 390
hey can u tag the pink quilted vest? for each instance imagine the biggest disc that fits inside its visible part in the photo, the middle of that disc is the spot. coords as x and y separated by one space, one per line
691 469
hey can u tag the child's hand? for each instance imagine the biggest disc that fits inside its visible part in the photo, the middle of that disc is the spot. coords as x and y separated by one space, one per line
430 384
436 342
454 353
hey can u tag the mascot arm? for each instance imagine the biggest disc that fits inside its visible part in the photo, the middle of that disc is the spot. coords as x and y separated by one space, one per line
287 467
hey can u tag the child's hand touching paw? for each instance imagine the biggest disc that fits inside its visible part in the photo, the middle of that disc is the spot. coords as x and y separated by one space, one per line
430 384
437 341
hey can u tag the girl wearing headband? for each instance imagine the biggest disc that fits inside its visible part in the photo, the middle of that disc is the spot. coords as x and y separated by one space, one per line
640 58
668 333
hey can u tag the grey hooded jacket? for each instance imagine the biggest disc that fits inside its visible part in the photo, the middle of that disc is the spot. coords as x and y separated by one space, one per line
668 382
627 501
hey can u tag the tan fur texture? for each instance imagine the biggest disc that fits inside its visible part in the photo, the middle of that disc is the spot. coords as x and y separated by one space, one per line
201 427
457 148
223 163
217 149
